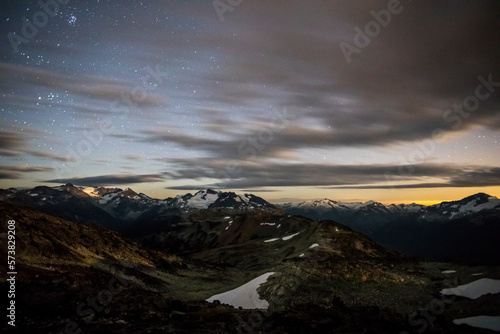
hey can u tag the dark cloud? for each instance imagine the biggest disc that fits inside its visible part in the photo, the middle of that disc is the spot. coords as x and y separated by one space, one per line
342 176
15 172
397 89
133 157
10 142
50 155
16 143
109 180
258 190
400 88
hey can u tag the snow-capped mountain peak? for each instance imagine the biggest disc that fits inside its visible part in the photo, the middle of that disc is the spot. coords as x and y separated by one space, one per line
200 200
205 199
99 192
328 204
468 205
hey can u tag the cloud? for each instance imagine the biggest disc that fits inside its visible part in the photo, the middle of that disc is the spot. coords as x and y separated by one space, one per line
15 172
15 143
133 157
50 155
93 87
397 89
254 176
10 142
109 180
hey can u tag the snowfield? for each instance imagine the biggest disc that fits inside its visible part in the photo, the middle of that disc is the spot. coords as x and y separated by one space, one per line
246 295
201 200
481 321
475 289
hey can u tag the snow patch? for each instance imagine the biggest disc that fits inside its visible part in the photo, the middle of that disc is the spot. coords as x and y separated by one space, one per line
90 191
271 240
301 255
288 237
481 321
314 245
448 271
475 289
270 224
471 206
246 295
106 198
246 198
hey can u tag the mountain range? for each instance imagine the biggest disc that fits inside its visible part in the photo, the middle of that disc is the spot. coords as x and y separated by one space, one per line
176 256
445 231
115 207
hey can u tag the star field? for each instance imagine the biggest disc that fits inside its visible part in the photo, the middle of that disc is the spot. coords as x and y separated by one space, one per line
166 95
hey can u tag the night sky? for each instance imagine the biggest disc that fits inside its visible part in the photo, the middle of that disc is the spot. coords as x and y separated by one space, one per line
350 100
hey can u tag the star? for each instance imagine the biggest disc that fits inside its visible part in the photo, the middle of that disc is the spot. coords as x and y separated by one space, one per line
72 20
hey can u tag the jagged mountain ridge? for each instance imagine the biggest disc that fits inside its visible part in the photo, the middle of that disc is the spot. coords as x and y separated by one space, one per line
473 203
115 207
412 229
465 230
354 213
